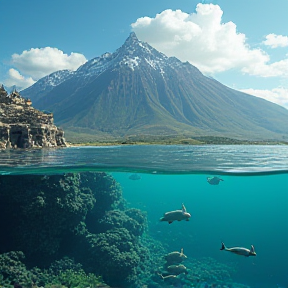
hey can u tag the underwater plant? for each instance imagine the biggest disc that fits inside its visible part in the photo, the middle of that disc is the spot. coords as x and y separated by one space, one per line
80 215
62 273
78 279
12 269
116 254
133 220
41 211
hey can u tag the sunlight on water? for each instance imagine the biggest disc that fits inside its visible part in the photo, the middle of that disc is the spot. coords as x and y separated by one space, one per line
154 158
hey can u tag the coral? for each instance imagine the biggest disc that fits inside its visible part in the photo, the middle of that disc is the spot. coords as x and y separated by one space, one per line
44 211
78 279
140 221
80 215
64 264
12 268
105 189
209 270
117 254
62 273
132 219
47 208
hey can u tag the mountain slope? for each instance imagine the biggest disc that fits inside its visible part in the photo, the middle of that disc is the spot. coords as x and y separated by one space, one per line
138 90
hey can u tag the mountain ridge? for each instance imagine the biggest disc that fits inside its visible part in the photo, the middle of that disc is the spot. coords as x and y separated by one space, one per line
139 90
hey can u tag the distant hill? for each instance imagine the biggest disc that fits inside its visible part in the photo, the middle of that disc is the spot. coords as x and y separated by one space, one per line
139 91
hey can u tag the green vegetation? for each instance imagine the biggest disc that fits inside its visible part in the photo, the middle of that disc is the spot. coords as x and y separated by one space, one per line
61 274
68 230
94 140
231 141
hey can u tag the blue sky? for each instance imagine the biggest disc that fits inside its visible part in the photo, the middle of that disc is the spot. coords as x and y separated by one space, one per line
242 44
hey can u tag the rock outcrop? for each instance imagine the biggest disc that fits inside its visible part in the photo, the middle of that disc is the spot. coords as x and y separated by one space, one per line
22 126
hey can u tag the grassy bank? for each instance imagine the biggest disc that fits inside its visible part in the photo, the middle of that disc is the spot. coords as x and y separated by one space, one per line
93 140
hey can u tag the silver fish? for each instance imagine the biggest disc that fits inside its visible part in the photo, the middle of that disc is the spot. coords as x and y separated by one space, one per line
240 250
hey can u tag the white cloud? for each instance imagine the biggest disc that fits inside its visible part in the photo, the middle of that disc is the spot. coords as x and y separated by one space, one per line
276 69
15 78
202 39
275 41
39 62
276 95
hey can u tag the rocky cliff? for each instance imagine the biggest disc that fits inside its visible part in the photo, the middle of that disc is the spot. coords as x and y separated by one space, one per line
22 126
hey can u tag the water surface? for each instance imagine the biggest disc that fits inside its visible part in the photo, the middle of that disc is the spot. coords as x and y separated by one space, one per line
250 205
152 158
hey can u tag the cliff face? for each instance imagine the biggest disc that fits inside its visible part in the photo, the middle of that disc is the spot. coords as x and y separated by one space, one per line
22 126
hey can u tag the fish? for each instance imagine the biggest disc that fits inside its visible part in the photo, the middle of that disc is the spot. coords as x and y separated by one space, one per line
167 276
134 176
214 180
177 215
175 257
177 269
240 250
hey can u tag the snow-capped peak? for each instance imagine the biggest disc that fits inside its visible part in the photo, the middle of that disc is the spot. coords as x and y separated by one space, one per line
131 54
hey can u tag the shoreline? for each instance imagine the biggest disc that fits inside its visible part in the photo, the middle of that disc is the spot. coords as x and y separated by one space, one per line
120 143
82 139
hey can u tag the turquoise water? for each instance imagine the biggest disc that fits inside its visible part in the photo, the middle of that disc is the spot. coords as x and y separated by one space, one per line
240 211
250 207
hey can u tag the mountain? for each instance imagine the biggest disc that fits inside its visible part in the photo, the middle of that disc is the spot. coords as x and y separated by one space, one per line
139 91
46 84
10 88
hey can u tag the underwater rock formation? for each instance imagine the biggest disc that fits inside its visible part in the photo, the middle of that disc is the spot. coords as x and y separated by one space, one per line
12 268
42 212
48 209
132 219
62 273
22 126
79 215
115 249
210 271
117 254
107 192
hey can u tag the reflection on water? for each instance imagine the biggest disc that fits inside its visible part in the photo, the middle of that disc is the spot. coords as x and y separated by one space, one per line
153 158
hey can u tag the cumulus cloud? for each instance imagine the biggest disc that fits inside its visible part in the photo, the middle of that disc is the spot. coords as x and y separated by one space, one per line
276 95
276 69
39 62
15 78
202 39
275 41
33 64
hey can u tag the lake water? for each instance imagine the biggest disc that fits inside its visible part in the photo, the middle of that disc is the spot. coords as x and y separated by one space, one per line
248 207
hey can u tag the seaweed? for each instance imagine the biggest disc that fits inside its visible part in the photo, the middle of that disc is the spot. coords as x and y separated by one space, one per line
82 216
